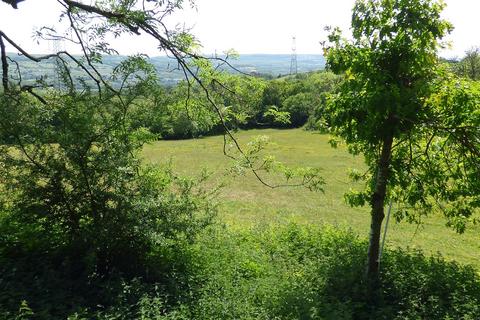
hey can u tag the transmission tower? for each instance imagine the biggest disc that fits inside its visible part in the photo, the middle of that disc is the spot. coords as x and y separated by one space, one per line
293 60
56 46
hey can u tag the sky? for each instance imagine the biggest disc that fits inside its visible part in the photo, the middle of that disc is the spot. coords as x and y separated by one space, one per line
247 26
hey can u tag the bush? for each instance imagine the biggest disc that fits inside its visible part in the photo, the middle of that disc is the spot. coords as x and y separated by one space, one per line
268 272
79 213
295 272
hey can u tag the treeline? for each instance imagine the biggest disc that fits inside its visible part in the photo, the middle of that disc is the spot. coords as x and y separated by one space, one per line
185 111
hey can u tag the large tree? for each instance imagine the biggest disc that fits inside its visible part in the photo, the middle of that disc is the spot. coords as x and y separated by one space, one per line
420 144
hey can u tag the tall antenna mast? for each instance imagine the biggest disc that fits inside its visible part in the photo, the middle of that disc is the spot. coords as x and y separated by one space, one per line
293 60
57 45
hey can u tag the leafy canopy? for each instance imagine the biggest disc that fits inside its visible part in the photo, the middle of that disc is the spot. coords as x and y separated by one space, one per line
388 67
396 87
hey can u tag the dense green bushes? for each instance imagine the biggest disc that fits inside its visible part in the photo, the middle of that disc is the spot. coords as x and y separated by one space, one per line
88 194
270 272
318 273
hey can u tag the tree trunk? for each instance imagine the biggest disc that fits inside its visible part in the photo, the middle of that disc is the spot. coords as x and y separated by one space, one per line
4 65
377 204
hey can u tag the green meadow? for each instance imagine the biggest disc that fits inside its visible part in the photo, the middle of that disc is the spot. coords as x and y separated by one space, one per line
246 203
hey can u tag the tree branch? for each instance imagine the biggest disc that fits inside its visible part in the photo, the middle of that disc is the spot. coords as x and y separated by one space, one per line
4 65
122 18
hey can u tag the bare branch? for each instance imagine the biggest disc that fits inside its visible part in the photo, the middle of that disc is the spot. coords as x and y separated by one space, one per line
19 74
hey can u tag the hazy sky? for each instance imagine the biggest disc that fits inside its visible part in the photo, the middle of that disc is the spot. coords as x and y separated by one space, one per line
248 26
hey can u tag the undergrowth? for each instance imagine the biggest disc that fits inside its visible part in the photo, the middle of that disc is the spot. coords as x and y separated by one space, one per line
269 272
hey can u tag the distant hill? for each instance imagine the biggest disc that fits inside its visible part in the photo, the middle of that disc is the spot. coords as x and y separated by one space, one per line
277 64
272 65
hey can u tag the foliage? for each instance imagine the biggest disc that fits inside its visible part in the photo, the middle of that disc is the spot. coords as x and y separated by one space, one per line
184 111
302 96
298 106
77 200
292 272
269 272
321 85
276 116
469 65
443 163
106 229
87 231
175 113
387 110
386 69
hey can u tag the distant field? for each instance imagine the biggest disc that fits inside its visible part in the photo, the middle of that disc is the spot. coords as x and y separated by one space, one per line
246 202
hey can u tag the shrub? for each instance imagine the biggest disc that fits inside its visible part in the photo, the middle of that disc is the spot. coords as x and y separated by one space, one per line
267 272
294 272
79 213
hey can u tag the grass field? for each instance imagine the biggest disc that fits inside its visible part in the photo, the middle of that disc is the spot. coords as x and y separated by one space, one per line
245 202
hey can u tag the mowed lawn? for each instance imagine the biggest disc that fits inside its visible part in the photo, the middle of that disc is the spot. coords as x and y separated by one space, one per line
245 202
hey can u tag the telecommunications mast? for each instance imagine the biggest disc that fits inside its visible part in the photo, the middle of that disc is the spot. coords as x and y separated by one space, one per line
293 60
56 46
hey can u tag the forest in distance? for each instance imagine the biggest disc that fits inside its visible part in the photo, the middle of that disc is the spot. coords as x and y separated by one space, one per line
218 187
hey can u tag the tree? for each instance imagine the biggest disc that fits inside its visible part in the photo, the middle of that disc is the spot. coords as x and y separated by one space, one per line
420 145
74 186
299 107
75 181
469 66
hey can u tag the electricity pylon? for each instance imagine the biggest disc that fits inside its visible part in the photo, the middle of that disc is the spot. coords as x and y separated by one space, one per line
293 60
